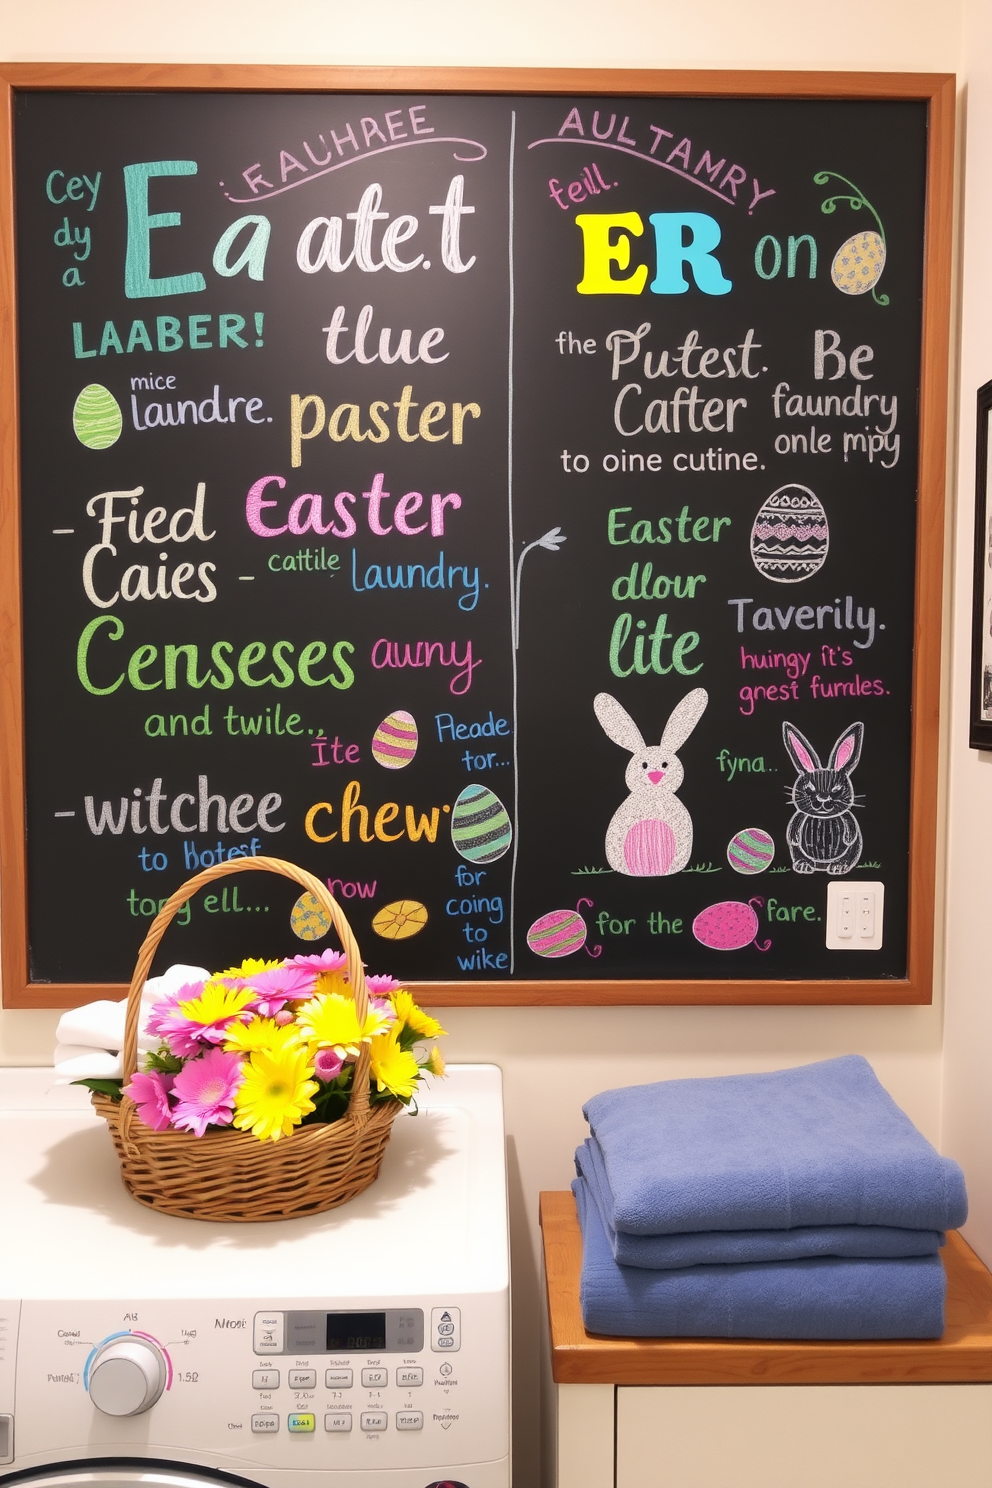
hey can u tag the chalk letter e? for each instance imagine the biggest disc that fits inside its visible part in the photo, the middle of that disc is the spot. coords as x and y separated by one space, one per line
670 230
138 283
599 253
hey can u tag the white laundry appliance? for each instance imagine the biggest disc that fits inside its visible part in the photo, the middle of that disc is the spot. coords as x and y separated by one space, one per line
363 1348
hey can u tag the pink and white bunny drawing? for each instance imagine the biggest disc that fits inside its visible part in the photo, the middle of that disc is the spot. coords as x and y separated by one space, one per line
650 835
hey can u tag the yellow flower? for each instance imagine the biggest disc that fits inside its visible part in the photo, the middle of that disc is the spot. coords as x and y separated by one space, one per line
393 1069
331 981
274 1095
329 1021
413 1017
260 1033
251 966
215 1003
435 1063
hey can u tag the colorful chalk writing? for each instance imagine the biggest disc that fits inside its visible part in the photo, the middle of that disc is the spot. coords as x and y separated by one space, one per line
463 497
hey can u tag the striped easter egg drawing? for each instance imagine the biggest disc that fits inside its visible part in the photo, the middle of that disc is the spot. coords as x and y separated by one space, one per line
395 741
750 850
97 420
559 933
790 537
481 830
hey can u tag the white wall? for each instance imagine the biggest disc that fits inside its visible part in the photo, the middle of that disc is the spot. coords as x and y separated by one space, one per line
552 1058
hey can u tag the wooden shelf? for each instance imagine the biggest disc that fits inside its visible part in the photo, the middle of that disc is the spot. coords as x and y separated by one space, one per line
962 1356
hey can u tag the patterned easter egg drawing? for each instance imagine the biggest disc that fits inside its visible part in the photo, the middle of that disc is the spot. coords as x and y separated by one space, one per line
750 851
790 536
481 830
96 417
308 919
400 920
557 934
727 926
394 742
858 263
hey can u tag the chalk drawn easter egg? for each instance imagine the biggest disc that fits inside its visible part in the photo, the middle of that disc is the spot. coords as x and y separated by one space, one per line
400 920
790 536
309 920
750 851
557 934
481 830
858 263
97 420
728 926
394 742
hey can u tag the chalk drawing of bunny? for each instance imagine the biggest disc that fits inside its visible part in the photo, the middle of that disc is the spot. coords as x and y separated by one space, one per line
823 835
650 834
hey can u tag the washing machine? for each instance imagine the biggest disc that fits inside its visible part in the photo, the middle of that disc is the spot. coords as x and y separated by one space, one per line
363 1348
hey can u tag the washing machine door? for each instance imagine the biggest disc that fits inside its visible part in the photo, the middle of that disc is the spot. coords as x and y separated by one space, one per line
123 1473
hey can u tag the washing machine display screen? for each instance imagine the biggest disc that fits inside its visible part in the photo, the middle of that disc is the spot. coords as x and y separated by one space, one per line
393 1330
355 1330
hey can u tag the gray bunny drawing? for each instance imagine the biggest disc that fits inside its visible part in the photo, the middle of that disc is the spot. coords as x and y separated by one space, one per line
823 835
650 834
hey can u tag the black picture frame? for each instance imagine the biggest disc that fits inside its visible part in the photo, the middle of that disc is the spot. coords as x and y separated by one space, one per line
980 732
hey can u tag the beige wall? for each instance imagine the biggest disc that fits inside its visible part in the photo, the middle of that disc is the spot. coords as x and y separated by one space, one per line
967 1065
553 1059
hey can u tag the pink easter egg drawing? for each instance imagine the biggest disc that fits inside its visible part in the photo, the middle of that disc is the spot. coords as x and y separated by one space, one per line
729 926
561 932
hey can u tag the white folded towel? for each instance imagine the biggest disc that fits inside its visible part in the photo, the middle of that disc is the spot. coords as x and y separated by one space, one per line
90 1037
77 1062
170 981
95 1025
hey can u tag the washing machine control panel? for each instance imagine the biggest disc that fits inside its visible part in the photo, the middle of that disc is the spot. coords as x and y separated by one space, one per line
309 1386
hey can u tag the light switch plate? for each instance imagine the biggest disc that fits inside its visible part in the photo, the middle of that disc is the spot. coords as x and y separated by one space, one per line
855 912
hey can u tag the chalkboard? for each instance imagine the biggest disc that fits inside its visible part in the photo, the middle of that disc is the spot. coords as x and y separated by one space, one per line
515 500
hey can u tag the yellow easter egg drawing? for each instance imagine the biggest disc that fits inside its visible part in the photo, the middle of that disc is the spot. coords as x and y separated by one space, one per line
400 920
308 919
858 263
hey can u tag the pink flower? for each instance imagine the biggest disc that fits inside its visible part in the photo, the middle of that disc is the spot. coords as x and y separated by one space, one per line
327 961
192 1024
381 986
327 1064
150 1093
161 1020
206 1088
274 988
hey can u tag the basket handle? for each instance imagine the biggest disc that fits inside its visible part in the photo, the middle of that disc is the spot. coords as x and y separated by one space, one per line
359 1099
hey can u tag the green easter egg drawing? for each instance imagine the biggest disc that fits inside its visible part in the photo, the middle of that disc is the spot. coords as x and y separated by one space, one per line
96 417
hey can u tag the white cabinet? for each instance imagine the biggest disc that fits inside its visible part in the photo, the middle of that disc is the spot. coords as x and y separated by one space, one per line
799 1436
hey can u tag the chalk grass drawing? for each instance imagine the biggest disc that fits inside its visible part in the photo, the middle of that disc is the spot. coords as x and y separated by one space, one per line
551 542
650 835
823 835
584 872
858 262
703 868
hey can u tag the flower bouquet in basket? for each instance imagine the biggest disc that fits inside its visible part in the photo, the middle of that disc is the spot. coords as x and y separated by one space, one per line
271 1045
267 1090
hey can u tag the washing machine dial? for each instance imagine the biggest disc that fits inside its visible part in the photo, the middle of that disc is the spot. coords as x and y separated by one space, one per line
127 1376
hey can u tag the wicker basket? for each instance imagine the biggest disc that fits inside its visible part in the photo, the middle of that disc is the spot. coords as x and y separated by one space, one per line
230 1175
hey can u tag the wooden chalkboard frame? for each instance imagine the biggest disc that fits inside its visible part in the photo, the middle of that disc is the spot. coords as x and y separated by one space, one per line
937 90
980 732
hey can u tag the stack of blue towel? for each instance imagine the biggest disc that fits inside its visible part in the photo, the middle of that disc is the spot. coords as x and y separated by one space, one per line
799 1204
